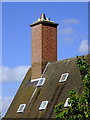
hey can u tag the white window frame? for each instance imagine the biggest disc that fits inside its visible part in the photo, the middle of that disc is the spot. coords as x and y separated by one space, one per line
35 80
38 84
65 77
43 108
86 75
20 111
66 103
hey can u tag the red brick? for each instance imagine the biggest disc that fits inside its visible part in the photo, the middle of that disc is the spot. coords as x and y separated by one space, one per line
44 47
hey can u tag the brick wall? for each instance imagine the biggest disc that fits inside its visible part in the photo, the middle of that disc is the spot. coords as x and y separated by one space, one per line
44 48
36 37
36 55
49 44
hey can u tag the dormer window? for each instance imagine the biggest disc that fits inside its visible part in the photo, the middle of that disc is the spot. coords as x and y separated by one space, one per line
64 77
66 103
43 105
41 82
21 108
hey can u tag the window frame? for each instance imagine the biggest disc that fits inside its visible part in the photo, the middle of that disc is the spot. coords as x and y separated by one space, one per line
60 80
20 111
66 103
38 84
43 108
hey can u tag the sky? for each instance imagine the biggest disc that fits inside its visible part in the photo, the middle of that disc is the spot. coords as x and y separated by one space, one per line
72 38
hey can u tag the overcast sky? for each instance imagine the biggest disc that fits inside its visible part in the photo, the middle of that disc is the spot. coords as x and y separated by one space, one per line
16 38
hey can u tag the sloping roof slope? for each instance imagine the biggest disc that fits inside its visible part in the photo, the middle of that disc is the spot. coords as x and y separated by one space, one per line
52 91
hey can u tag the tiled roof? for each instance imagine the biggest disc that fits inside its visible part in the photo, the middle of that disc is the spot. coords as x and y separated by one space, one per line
52 91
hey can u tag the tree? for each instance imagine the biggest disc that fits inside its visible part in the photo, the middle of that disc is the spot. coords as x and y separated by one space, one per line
80 103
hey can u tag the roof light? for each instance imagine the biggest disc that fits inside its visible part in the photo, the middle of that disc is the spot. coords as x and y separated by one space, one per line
66 103
21 108
86 75
40 82
64 77
43 105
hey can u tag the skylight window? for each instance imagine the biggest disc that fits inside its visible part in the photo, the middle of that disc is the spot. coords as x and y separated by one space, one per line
40 82
64 77
21 108
66 103
86 75
43 105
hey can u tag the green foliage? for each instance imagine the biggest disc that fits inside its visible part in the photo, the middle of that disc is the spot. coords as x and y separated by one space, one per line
80 103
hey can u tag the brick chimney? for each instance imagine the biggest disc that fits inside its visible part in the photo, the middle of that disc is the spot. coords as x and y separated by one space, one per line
43 44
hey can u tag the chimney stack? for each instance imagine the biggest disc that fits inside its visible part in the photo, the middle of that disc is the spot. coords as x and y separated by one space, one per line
43 44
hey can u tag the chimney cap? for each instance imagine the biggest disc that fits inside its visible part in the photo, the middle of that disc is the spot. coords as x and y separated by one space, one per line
48 19
45 21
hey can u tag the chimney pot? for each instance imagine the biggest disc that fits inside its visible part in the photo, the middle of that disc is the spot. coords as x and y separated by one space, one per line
43 16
